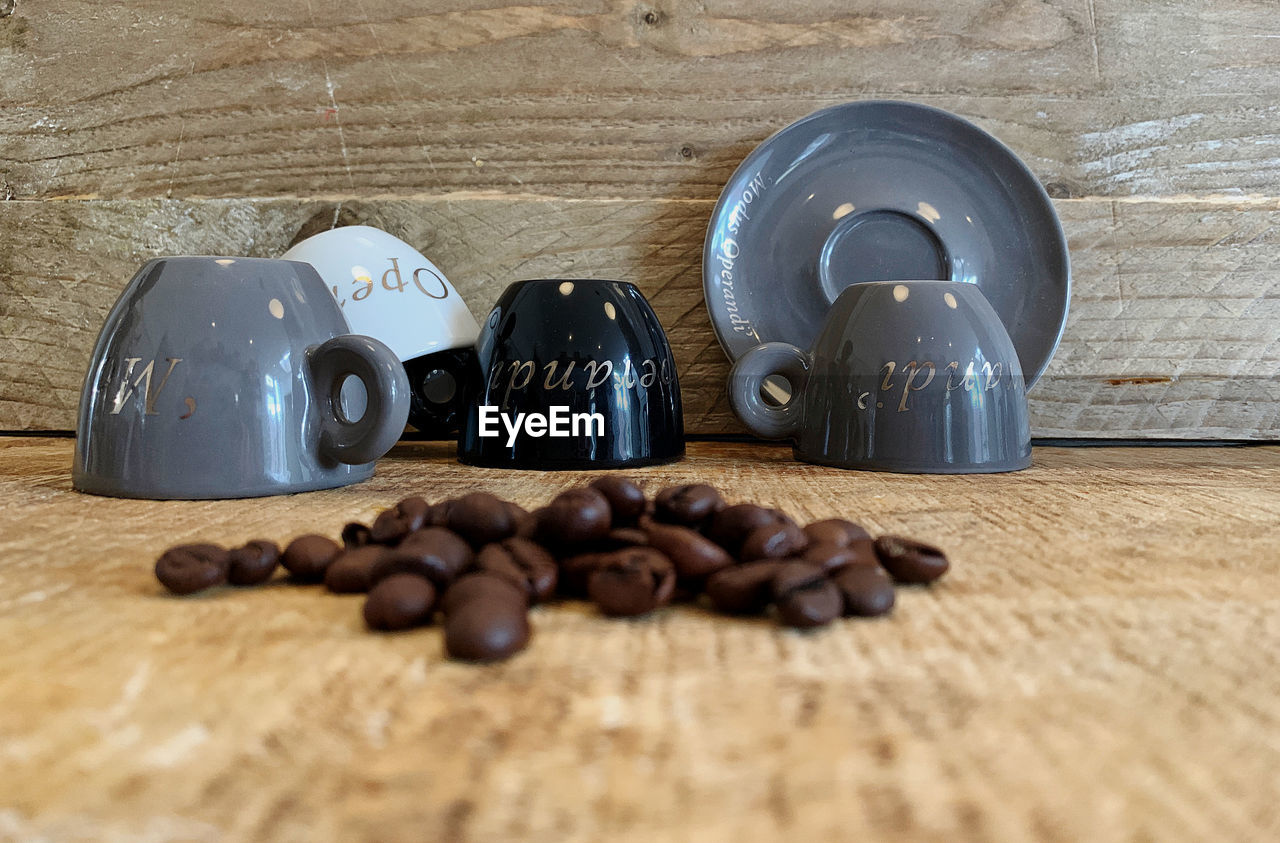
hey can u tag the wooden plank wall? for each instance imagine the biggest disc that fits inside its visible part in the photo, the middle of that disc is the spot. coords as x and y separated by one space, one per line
592 138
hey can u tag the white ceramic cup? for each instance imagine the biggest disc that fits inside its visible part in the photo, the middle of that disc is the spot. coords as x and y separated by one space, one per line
388 290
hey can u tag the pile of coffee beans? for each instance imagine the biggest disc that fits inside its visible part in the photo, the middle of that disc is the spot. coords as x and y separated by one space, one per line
481 562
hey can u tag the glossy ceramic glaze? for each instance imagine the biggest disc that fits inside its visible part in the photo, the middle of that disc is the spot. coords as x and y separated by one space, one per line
588 346
390 291
881 191
911 376
222 377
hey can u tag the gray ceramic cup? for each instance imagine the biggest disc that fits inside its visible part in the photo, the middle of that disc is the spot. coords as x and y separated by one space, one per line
906 376
224 378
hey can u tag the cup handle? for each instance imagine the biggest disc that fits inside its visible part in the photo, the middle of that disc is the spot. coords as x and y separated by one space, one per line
439 418
385 384
767 420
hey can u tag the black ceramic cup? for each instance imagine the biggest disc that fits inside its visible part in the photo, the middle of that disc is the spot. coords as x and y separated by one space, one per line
576 374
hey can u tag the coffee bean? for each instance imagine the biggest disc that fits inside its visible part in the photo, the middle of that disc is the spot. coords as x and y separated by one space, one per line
356 535
833 557
253 563
395 523
910 561
523 562
687 505
632 582
352 571
773 541
744 589
481 519
626 499
867 590
694 555
436 553
484 633
485 618
438 514
189 568
307 557
482 587
575 572
402 601
804 596
729 527
619 538
525 525
835 531
575 517
795 574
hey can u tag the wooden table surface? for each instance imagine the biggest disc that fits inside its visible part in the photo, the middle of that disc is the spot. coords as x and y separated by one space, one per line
1102 663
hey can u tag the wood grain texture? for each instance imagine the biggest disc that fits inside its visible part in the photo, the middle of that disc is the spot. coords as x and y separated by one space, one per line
483 131
1174 328
615 98
1102 663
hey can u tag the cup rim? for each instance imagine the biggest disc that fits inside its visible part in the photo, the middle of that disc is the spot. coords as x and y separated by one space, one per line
909 281
545 281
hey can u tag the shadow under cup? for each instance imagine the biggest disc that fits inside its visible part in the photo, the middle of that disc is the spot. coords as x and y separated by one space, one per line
905 376
575 374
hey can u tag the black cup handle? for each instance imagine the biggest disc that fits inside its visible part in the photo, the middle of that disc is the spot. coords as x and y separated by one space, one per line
440 385
767 420
362 440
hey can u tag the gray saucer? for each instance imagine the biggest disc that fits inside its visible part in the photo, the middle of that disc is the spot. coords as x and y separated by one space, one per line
882 191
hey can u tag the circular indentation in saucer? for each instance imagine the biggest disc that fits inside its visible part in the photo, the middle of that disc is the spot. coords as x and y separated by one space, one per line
880 245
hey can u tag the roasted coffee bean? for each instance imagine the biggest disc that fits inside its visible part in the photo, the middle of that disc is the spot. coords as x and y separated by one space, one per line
481 632
307 557
687 505
621 538
253 563
481 519
575 572
485 618
773 541
525 525
525 563
632 582
438 514
539 566
395 523
356 535
910 561
626 499
833 557
436 553
795 574
352 571
574 518
867 590
402 601
804 596
189 568
835 531
744 589
694 555
482 587
730 526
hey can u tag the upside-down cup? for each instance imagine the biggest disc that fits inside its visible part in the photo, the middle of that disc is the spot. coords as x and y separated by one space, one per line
904 376
576 374
226 377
